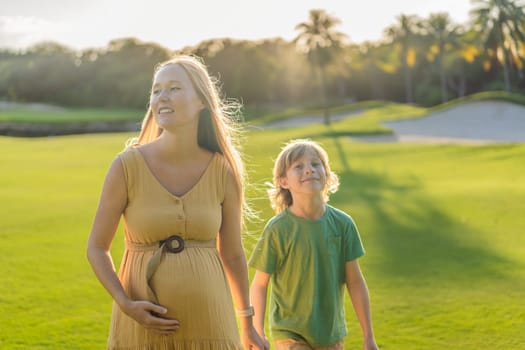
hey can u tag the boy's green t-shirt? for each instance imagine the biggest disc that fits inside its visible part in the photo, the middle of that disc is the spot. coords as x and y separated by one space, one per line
306 259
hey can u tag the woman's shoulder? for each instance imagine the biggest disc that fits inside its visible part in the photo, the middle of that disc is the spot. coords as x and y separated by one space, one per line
221 161
128 152
222 168
129 158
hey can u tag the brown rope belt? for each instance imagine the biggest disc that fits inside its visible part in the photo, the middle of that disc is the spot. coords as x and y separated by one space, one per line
162 247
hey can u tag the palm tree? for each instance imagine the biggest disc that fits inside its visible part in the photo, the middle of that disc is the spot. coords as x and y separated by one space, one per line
444 35
373 60
405 33
501 24
320 41
465 50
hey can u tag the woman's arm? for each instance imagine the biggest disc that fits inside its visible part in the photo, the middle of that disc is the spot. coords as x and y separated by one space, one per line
358 290
234 260
112 203
258 294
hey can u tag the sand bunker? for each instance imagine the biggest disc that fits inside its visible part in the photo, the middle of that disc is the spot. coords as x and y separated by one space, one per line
473 122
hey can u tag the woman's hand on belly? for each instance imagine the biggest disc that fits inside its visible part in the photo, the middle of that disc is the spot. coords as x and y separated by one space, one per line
149 315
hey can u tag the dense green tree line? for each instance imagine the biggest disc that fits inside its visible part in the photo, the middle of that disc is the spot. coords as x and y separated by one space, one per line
419 60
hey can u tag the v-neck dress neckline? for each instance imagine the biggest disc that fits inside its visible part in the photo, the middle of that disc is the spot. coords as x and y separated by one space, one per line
157 181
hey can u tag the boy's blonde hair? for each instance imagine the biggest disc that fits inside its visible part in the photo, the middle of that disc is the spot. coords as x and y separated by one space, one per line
281 198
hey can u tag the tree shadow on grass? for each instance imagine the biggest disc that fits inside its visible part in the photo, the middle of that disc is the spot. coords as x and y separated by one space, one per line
410 237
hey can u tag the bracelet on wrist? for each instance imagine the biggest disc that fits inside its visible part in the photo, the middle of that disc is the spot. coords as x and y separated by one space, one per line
248 312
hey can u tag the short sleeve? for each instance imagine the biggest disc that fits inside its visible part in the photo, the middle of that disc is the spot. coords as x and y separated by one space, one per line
352 242
265 255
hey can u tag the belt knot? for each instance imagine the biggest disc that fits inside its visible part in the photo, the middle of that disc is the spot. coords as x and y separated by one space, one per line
168 243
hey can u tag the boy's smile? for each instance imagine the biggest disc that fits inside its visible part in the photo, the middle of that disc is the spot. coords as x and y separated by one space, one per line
306 174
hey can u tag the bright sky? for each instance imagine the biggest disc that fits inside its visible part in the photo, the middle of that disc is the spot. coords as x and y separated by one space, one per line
174 24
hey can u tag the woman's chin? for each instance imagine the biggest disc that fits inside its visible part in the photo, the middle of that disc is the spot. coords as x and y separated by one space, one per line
163 120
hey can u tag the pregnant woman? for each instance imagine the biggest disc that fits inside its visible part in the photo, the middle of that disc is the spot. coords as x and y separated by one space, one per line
179 190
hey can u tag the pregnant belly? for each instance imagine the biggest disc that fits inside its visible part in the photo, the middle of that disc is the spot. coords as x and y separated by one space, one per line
192 284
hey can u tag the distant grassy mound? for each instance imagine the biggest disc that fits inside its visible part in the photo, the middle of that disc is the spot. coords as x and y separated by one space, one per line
33 121
42 120
297 112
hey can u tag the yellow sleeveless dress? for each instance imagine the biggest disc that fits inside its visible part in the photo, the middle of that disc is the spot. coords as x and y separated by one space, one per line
191 284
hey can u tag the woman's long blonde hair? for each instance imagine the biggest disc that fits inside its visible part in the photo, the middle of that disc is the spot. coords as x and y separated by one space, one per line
216 130
281 198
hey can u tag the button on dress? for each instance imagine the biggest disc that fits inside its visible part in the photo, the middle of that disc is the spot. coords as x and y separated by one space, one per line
191 284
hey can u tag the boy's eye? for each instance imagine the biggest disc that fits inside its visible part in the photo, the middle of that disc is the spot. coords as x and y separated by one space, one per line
174 88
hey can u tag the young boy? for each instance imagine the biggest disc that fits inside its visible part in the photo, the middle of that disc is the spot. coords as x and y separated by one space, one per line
309 250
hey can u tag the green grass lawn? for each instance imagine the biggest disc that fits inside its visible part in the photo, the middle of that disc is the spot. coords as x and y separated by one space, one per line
442 226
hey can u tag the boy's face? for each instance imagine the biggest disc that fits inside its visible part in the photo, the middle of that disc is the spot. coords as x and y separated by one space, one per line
305 175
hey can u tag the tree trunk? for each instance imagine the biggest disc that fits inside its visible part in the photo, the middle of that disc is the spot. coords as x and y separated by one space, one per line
408 83
463 86
462 81
325 97
408 78
506 75
377 89
443 79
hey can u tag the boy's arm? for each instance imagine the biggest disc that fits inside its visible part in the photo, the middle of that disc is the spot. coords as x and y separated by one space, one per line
258 293
358 291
